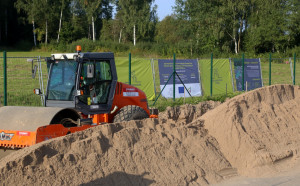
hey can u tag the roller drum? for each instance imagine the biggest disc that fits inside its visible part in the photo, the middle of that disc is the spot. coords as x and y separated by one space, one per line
30 118
19 118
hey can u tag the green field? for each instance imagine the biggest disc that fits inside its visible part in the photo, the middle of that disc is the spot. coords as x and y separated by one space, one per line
21 84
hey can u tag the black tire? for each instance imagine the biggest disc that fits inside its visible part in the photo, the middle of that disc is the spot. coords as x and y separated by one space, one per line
130 112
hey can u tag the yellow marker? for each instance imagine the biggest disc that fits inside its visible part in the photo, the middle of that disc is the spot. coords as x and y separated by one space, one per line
89 100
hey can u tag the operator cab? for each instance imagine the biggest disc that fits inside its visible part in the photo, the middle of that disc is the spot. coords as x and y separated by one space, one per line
85 81
62 80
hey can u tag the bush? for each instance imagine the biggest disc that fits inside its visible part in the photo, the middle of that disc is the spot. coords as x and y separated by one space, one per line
24 45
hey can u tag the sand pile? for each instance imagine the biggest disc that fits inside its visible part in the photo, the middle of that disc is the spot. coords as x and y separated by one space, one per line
167 151
257 129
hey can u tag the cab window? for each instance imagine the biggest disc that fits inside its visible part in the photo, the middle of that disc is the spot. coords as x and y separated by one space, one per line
62 81
95 81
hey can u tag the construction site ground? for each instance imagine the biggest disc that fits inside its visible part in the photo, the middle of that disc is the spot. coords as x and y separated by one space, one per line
251 139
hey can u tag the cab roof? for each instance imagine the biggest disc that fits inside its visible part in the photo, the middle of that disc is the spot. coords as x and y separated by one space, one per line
87 55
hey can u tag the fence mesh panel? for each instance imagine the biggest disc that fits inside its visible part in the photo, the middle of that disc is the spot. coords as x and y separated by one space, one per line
281 69
20 83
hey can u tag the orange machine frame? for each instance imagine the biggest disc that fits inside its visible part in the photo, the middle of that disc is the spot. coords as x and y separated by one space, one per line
124 95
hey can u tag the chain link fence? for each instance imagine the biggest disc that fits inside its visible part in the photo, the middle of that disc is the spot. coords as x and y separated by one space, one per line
20 83
281 70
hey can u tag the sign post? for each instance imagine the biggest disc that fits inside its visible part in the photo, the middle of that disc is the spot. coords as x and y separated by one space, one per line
129 65
5 77
211 74
294 80
174 71
270 60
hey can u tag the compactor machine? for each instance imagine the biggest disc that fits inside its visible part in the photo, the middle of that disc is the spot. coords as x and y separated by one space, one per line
82 92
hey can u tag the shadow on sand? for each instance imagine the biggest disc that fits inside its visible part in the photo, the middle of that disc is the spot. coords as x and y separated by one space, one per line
121 179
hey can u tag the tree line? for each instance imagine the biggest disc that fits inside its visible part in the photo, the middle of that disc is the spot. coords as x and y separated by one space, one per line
195 27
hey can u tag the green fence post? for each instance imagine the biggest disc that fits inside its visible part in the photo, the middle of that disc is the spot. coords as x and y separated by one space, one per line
243 65
270 61
5 78
211 74
129 74
174 71
294 78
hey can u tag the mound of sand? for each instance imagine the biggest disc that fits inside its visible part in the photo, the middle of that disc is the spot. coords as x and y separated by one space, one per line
164 152
258 129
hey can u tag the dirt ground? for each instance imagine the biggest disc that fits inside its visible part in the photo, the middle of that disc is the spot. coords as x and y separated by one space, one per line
284 177
251 136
